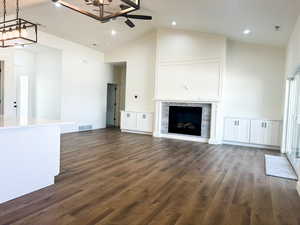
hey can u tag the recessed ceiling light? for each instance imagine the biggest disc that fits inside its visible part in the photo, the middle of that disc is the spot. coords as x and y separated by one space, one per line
174 23
57 4
247 32
113 32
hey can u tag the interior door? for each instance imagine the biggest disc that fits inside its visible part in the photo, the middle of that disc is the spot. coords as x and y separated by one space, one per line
111 113
293 124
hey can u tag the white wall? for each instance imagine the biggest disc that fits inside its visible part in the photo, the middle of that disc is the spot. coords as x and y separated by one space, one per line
48 84
43 68
7 56
251 79
84 78
190 65
139 56
83 87
24 63
254 82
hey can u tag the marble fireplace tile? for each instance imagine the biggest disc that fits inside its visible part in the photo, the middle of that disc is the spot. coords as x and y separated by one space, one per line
206 116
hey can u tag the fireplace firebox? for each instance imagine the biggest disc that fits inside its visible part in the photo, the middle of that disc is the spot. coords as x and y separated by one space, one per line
185 120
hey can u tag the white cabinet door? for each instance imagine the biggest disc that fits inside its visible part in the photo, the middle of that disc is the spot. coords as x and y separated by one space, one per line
257 134
237 130
273 130
230 129
129 121
144 122
265 132
243 130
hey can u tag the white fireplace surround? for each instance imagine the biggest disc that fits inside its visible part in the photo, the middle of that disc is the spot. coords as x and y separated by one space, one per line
215 121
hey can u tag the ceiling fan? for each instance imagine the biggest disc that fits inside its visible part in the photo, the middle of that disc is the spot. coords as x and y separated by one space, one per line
128 22
109 9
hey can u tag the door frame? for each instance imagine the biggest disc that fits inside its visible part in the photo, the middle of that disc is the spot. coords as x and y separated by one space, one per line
286 109
287 139
1 87
9 83
116 102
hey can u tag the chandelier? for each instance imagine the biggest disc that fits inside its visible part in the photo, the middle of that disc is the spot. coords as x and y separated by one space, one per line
105 10
18 31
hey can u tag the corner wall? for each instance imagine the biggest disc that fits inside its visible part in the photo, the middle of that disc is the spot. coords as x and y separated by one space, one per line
140 56
253 78
254 82
83 89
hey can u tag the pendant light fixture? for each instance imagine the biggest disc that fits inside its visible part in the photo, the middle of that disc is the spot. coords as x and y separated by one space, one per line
18 31
106 10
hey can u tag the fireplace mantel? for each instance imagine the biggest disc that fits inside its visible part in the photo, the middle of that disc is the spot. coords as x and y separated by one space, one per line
215 120
198 100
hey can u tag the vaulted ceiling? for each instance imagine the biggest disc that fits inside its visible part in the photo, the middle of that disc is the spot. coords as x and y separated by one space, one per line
226 17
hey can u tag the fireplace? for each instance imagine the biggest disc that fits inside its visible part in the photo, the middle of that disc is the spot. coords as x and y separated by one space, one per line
185 120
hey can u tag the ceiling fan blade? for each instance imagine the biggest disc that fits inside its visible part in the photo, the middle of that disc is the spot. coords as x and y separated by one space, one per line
130 3
130 23
139 17
123 7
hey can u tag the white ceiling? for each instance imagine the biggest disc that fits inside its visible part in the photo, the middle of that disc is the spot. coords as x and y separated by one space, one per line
227 17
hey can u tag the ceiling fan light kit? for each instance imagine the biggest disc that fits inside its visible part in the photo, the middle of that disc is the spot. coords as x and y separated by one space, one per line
18 31
105 10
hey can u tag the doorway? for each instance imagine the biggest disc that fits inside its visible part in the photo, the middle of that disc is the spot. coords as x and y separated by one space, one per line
293 122
112 109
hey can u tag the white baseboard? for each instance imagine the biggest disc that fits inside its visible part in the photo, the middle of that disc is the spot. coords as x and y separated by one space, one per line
298 187
184 137
252 145
136 132
214 142
155 134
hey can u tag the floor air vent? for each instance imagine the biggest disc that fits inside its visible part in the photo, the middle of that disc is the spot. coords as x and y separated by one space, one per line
85 127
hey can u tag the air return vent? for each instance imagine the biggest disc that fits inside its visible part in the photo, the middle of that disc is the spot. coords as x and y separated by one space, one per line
85 127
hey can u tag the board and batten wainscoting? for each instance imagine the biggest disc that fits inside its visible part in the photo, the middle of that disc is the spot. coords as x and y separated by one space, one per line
137 122
253 132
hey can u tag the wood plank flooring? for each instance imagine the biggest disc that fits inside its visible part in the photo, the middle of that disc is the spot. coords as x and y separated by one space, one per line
113 178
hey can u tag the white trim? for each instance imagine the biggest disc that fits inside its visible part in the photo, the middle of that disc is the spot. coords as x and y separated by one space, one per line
252 118
202 101
184 137
251 145
136 132
214 125
298 188
160 64
285 118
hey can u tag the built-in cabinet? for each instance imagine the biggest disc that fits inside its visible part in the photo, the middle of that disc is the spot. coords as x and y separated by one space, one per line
265 132
137 121
252 131
237 130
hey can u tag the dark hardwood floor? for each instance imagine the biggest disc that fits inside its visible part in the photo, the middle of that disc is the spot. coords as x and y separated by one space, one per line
113 178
